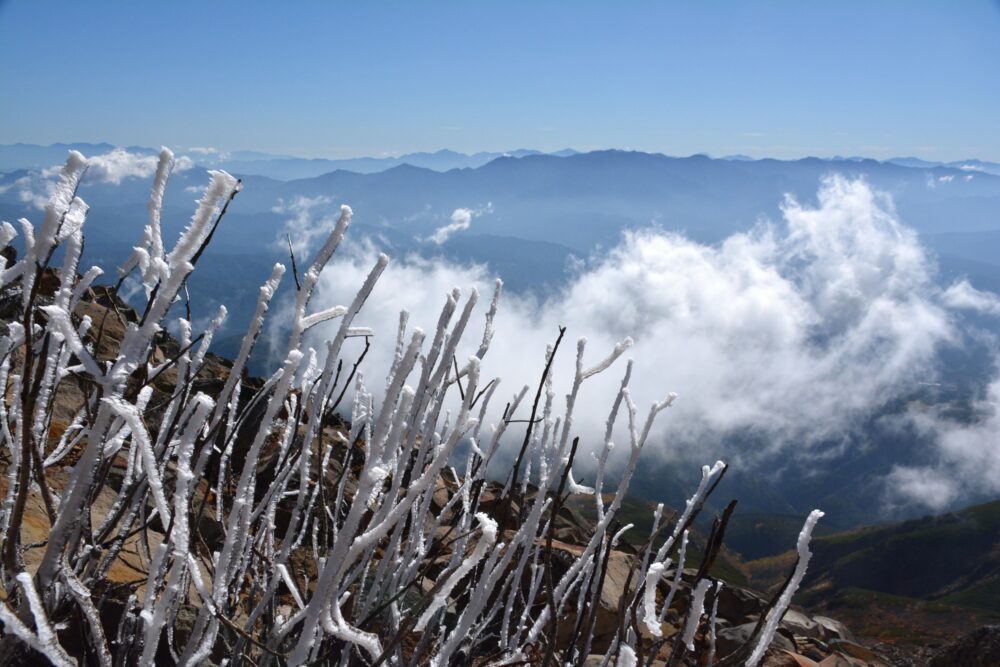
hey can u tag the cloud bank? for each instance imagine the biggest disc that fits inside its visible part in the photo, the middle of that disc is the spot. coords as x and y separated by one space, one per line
785 338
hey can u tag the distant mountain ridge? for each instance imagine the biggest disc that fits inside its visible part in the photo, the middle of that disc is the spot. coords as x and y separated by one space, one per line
289 167
579 202
32 156
280 167
442 160
971 165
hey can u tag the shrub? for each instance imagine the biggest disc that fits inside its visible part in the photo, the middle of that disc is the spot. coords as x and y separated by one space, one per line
260 528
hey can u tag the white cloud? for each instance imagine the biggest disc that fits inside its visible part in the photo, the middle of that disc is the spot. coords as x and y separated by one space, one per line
204 155
120 164
947 179
36 187
461 219
963 296
306 225
795 333
925 486
967 456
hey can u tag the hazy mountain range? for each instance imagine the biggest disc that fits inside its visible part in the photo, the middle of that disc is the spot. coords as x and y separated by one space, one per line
577 200
280 167
530 214
289 167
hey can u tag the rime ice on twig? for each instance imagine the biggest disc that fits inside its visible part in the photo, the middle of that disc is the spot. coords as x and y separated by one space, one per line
774 617
377 542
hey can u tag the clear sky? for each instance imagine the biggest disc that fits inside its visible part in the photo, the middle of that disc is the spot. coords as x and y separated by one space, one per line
782 79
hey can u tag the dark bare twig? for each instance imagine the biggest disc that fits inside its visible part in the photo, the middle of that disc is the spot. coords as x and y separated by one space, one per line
516 471
554 512
458 378
295 269
481 392
354 369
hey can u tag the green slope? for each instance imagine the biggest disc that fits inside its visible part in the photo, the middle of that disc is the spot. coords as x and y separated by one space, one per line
756 535
951 558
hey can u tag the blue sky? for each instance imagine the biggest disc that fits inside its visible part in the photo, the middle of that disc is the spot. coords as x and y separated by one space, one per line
782 79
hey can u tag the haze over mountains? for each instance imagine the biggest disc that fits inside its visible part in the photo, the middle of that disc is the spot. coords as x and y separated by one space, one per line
561 205
577 202
289 167
280 167
833 310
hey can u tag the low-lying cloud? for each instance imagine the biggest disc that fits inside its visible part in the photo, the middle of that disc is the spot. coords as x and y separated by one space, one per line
790 334
119 164
964 296
311 221
461 219
967 457
36 187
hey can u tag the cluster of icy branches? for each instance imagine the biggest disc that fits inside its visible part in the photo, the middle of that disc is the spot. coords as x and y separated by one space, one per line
348 555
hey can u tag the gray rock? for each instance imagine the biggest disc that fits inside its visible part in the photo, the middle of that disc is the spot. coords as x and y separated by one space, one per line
833 628
729 639
801 625
739 605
